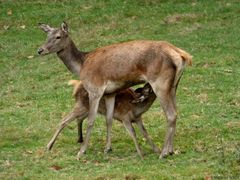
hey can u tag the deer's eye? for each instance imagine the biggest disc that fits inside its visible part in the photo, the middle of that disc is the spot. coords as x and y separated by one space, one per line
58 37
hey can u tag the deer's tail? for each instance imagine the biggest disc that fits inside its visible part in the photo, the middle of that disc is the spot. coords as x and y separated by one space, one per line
187 59
185 56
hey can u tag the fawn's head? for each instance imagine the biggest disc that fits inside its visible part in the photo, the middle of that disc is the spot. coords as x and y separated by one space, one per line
57 39
143 93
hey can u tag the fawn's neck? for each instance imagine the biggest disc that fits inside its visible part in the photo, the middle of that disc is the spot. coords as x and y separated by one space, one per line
145 105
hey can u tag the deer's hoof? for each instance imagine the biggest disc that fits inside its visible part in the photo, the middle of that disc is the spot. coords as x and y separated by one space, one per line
107 150
163 155
80 154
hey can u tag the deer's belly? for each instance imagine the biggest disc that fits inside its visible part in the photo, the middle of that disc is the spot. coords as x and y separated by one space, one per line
113 86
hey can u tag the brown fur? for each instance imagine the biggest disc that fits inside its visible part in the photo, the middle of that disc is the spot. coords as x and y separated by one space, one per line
125 110
109 69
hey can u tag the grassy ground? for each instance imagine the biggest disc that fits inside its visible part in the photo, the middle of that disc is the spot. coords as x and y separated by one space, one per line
35 96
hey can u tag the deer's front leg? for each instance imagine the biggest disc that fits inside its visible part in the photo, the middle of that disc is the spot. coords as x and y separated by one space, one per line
93 107
110 102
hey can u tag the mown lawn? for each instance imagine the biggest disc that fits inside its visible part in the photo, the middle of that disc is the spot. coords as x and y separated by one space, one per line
35 96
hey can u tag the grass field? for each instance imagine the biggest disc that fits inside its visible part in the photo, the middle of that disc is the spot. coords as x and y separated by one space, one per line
35 96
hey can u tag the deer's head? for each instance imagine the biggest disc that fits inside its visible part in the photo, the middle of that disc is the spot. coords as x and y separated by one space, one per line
57 39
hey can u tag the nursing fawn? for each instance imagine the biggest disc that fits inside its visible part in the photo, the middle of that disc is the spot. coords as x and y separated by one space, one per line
128 109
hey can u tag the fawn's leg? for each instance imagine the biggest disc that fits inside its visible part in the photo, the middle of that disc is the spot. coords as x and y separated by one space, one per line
146 136
79 124
70 117
131 131
80 134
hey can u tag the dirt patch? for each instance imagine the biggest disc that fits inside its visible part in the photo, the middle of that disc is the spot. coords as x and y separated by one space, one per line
177 18
202 98
233 124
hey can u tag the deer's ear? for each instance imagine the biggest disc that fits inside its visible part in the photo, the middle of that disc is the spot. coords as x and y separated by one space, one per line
46 28
64 27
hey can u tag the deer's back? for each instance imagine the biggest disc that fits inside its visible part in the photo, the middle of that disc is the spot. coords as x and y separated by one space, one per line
125 64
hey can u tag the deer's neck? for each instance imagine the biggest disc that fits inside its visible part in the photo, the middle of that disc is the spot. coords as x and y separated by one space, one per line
142 107
72 57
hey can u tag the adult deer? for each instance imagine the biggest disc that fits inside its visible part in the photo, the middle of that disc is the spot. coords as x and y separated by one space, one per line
109 69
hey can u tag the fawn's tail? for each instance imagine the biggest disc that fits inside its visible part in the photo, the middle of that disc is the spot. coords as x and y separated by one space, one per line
75 84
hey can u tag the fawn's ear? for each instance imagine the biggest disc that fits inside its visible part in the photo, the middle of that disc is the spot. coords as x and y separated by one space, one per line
46 28
64 27
147 88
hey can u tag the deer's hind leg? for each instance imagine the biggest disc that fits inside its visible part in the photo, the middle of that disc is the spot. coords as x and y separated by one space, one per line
171 113
165 90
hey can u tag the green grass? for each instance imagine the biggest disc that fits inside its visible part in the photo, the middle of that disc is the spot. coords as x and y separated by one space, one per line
35 96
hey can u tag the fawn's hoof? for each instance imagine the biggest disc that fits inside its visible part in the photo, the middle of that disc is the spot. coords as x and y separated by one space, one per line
49 146
107 150
141 155
80 140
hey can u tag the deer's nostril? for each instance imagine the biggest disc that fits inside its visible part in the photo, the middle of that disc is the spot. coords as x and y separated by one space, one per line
40 50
